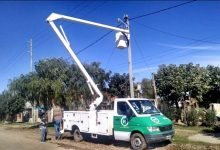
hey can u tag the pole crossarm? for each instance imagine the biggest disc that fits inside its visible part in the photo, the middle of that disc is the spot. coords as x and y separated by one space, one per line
55 16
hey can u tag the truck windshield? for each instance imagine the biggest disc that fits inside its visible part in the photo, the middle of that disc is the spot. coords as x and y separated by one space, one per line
144 107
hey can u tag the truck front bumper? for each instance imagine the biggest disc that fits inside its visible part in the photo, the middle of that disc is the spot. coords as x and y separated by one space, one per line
150 138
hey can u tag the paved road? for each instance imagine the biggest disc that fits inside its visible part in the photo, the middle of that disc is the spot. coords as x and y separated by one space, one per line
21 140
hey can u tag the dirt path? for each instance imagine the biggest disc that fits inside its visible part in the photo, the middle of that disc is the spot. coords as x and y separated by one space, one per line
28 139
207 138
19 140
14 137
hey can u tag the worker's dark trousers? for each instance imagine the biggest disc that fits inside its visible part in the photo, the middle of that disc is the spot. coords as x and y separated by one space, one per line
43 131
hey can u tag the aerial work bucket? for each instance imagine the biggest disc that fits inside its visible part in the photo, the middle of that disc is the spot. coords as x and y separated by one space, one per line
121 41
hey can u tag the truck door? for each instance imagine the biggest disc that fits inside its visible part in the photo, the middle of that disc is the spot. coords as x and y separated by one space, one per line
122 129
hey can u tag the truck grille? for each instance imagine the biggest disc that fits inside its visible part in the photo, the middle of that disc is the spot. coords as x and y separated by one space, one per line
165 128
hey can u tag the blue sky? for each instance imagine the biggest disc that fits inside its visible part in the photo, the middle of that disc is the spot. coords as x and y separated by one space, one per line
189 33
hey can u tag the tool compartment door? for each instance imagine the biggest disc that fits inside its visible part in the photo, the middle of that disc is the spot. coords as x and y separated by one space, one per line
84 122
102 123
70 118
105 122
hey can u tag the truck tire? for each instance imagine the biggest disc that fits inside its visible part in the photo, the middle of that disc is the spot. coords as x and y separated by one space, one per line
138 142
77 135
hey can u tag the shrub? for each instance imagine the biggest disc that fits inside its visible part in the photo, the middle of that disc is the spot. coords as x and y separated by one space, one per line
169 112
166 110
202 116
192 117
210 118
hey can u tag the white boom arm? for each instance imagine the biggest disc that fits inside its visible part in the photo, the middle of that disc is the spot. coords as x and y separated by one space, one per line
66 43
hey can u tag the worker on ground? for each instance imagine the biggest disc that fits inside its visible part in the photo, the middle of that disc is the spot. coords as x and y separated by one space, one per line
57 118
43 127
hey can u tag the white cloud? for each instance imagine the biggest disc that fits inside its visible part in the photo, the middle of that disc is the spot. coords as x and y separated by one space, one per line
204 47
207 60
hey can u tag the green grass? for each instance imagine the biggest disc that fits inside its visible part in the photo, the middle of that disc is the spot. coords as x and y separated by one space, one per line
178 139
181 137
196 128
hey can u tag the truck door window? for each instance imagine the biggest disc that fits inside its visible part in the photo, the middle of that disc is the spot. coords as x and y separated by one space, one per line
123 108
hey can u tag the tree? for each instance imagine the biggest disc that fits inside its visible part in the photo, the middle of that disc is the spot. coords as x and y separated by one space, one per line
213 94
12 101
77 84
119 85
3 104
52 80
147 89
174 82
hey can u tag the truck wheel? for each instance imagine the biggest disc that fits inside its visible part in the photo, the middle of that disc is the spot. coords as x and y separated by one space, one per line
77 135
138 142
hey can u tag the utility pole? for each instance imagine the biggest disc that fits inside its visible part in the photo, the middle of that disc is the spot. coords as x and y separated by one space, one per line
155 90
154 86
126 19
31 61
31 56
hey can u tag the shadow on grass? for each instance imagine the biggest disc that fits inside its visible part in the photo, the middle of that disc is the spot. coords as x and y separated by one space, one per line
215 132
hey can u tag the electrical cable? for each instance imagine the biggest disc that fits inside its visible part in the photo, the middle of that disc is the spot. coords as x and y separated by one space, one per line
160 57
108 60
20 55
162 10
174 34
96 41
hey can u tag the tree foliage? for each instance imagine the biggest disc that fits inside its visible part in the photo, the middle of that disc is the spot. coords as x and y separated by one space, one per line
119 85
147 88
176 82
53 81
58 81
213 95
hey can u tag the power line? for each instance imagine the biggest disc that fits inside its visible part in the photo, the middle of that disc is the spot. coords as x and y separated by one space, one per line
172 50
108 60
174 34
160 57
45 32
94 9
174 57
38 37
11 63
88 13
155 12
162 10
138 47
96 41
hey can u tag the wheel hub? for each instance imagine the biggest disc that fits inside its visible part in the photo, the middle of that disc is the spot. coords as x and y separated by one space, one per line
137 142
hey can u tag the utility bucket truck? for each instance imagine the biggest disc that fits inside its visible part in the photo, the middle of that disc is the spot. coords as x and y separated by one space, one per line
132 119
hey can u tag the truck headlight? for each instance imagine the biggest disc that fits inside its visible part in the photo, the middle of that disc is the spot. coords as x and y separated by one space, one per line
153 129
